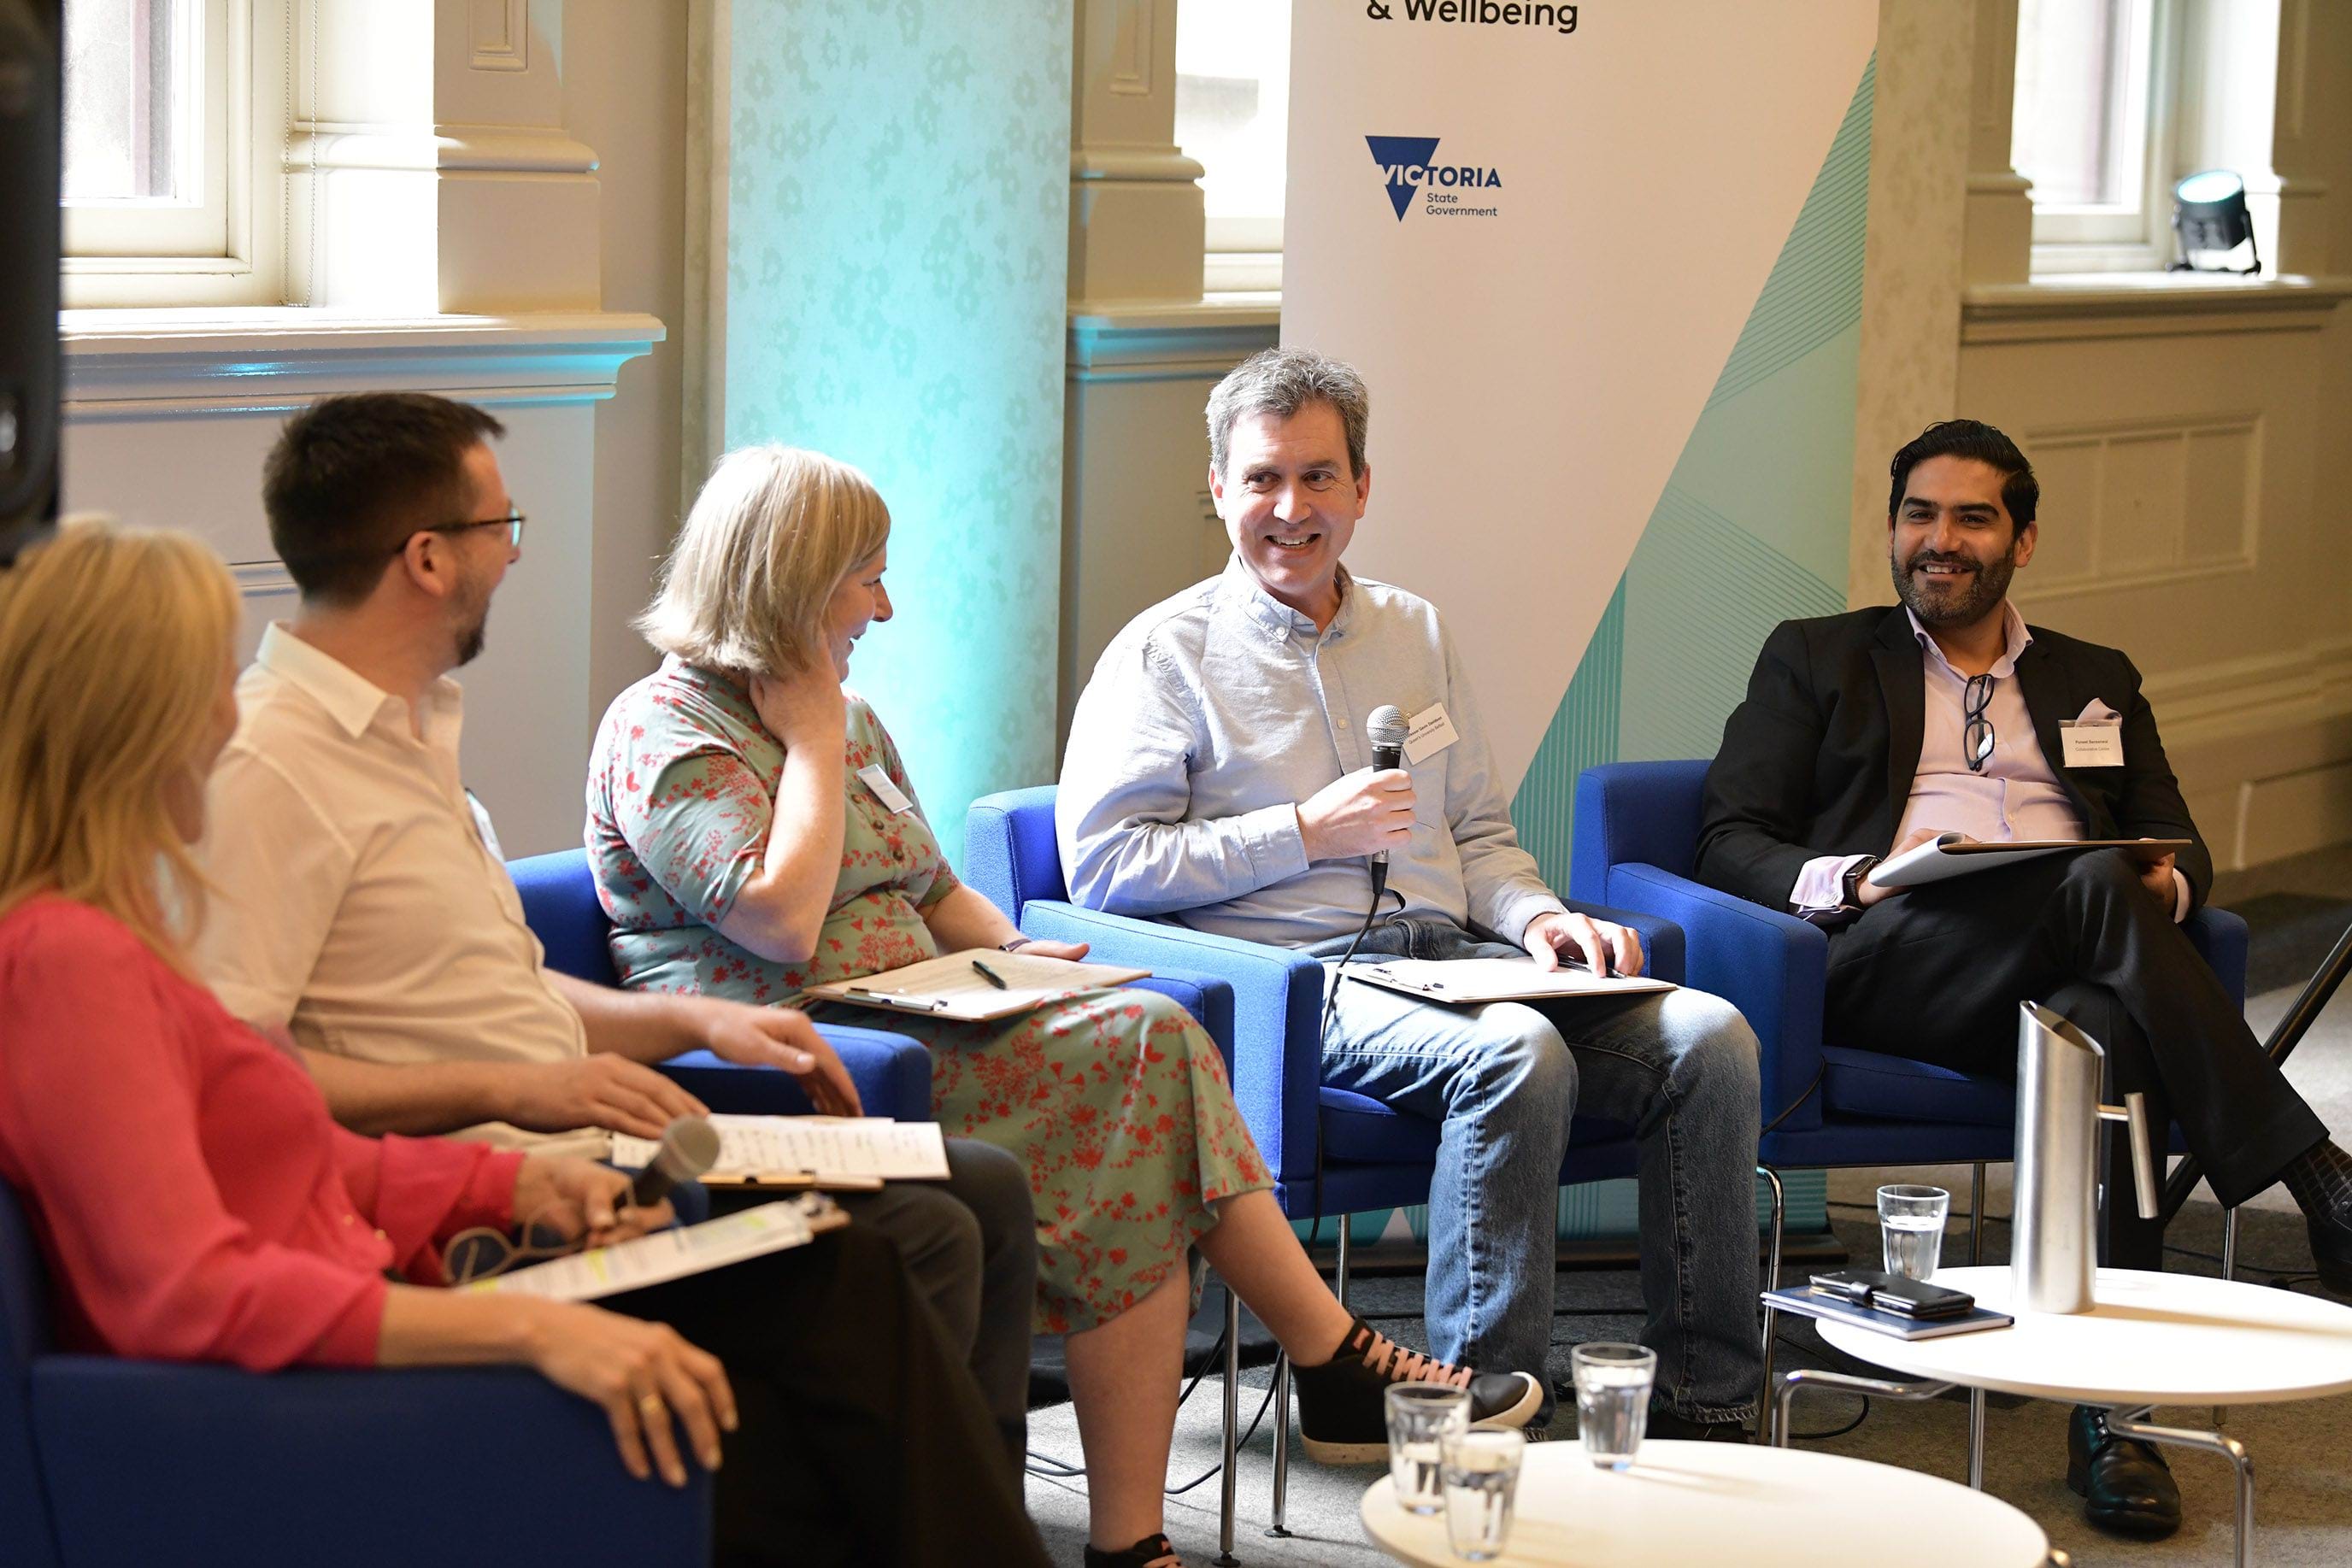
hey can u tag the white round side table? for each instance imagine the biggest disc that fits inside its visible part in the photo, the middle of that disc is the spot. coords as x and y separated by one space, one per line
2151 1339
1727 1503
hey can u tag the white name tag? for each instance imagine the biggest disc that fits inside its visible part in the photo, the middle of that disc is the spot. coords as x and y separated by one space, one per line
2092 745
884 789
1427 733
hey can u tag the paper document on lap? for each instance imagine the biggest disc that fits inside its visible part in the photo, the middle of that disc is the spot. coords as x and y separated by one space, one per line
1956 854
667 1255
1467 981
954 986
823 1151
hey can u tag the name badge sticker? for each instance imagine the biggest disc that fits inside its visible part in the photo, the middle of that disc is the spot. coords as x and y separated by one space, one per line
886 789
2092 745
1427 733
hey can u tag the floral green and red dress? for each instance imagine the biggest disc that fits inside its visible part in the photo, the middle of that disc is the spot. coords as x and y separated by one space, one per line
1115 1100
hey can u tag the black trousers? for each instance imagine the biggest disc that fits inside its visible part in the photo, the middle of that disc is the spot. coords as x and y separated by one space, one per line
970 1247
1936 974
862 1438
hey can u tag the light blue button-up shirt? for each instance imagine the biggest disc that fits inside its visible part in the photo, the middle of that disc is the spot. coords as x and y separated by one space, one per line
1214 712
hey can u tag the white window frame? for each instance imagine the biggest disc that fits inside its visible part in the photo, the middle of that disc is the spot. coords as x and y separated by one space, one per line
2199 111
228 248
2105 238
1244 254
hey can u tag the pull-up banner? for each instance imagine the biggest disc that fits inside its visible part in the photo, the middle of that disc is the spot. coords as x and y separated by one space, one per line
1538 230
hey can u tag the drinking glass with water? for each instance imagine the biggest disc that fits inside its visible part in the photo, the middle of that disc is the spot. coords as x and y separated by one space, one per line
1911 1226
1481 1474
1421 1416
1612 1400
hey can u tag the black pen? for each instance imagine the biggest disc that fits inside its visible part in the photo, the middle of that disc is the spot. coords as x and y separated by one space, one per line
991 976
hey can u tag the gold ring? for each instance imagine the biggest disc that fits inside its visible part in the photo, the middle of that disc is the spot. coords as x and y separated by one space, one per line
651 1407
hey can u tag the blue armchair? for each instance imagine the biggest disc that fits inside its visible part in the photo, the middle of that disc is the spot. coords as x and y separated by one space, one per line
1824 1105
892 1072
1332 1152
105 1460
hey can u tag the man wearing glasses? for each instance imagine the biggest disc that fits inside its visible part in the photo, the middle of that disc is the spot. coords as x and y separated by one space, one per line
1866 734
362 906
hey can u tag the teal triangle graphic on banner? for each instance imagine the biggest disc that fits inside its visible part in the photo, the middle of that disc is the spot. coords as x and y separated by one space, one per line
1750 530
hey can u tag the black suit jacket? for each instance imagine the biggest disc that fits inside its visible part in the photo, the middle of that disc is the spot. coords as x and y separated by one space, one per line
1819 759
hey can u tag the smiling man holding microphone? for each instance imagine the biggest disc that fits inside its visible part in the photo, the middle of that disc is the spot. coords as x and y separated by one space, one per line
1219 775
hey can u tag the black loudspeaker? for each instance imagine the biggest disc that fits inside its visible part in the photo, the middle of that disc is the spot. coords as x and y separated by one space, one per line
31 114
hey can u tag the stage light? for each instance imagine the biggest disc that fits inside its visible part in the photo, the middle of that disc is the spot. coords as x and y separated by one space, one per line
2209 216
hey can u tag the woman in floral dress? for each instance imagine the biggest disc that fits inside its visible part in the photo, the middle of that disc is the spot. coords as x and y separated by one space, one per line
754 833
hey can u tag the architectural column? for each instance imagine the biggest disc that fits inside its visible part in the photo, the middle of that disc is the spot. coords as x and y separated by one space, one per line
1136 226
1999 242
1144 348
1919 208
428 171
2298 148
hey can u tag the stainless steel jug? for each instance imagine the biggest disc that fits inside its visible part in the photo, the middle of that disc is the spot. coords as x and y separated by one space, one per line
2055 1207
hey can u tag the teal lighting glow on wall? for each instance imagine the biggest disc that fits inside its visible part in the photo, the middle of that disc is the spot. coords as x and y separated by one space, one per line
896 261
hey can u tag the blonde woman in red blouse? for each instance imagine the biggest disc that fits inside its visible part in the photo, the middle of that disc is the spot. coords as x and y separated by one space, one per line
195 1202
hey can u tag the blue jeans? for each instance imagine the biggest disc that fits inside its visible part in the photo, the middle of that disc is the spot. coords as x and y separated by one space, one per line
1502 1080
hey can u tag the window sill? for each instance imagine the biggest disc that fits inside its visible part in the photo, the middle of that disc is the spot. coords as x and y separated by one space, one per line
1164 340
280 356
2144 304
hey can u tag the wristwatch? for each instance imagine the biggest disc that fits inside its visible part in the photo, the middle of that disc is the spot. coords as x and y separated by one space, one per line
1850 885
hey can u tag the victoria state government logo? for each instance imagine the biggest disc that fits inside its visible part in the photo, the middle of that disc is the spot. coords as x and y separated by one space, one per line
1409 166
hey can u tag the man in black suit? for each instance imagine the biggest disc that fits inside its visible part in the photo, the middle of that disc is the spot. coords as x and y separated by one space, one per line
1866 734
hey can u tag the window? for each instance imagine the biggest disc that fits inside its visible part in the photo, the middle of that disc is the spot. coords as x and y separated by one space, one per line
165 201
1233 114
2118 100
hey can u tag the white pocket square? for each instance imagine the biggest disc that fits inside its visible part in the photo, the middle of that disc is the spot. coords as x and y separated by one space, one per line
2097 711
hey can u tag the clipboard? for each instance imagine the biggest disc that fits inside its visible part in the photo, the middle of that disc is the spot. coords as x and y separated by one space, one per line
956 986
1468 982
1949 855
795 1154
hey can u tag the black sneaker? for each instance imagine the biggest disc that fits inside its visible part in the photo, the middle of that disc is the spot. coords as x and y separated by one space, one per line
1342 1413
1152 1551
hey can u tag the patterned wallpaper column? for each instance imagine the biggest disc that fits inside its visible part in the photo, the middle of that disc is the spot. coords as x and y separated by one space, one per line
1751 527
896 256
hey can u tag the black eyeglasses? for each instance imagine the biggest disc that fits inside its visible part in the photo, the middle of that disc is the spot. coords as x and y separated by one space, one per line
512 522
1976 730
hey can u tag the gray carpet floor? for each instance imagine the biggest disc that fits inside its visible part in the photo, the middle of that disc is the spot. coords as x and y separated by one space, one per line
2303 1452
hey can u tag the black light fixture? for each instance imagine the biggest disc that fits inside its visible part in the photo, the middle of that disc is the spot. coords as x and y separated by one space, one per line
2208 214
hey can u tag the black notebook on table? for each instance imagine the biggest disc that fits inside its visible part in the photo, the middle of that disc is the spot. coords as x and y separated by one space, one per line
1895 1325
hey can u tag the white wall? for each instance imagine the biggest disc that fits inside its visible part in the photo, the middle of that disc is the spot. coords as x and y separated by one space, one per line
170 413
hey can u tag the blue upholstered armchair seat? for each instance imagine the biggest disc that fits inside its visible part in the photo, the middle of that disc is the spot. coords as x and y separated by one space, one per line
892 1071
1372 1156
1894 1088
105 1460
1824 1103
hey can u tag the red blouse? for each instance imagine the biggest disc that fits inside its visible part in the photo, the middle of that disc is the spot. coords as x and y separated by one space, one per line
194 1199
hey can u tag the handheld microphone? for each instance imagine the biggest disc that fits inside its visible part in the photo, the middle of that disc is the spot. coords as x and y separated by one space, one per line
689 1146
1384 727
